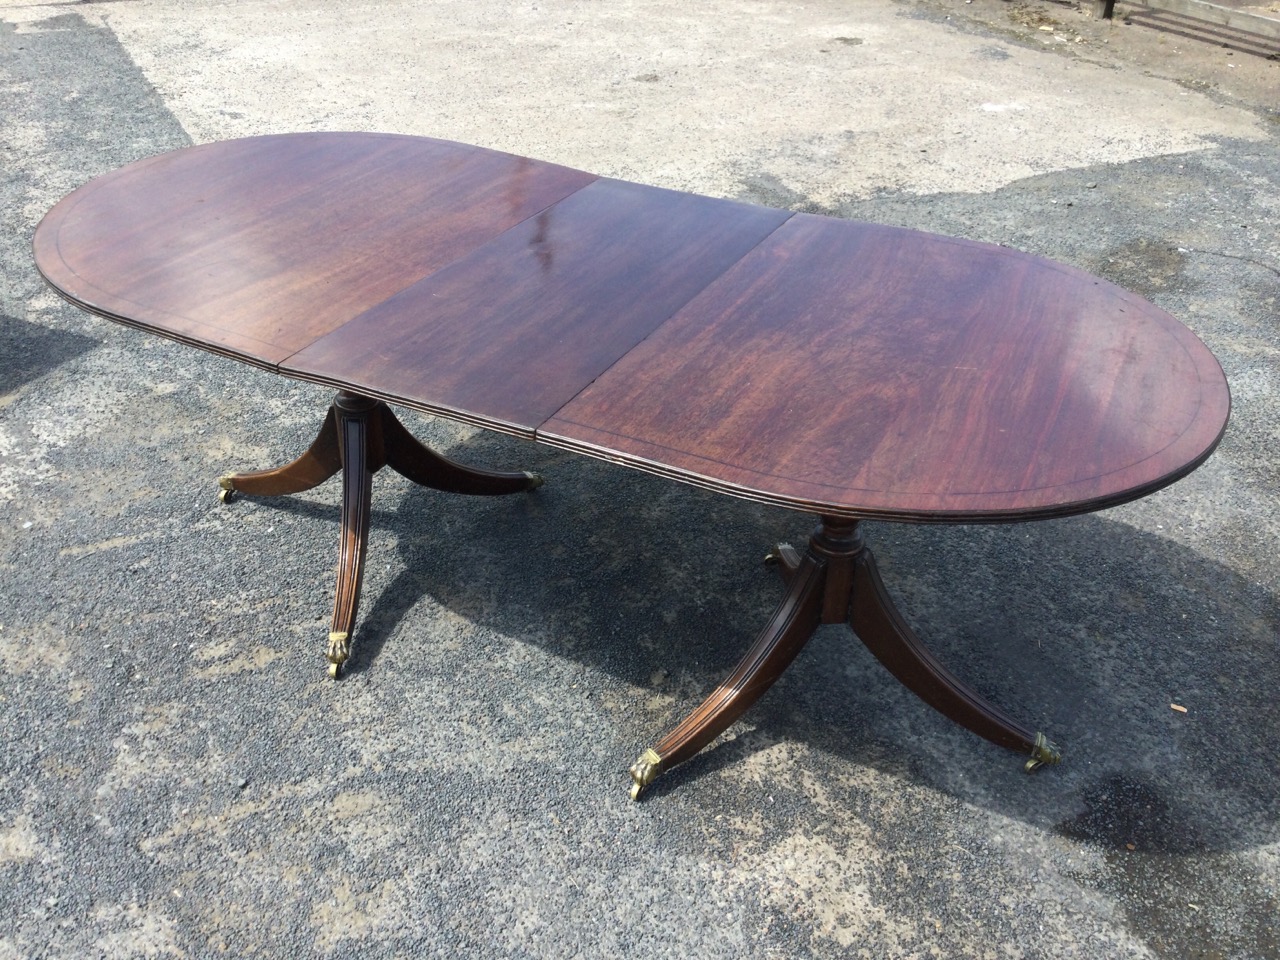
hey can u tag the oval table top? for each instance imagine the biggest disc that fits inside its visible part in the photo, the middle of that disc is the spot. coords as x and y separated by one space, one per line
842 368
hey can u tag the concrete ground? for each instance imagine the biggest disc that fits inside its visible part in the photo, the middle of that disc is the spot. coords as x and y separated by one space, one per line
178 777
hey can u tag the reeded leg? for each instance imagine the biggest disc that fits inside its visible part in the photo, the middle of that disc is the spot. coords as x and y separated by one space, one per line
881 627
318 464
410 458
356 422
359 437
777 645
835 581
817 592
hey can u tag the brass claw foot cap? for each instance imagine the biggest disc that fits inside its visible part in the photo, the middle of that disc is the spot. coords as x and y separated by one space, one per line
1044 753
338 653
643 772
535 480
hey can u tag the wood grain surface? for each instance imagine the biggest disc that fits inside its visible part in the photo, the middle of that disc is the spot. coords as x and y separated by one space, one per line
841 368
507 335
864 370
256 247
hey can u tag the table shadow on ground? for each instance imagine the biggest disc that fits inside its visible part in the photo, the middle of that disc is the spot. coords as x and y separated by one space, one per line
1085 627
29 351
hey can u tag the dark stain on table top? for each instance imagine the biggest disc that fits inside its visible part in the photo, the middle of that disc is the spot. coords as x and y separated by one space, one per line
838 367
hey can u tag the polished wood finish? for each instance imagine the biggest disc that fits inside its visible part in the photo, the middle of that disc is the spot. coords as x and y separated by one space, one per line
360 436
507 335
880 626
866 371
359 446
849 370
322 460
841 368
255 248
836 581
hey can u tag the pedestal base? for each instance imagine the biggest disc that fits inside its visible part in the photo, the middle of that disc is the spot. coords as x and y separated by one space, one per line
359 437
836 581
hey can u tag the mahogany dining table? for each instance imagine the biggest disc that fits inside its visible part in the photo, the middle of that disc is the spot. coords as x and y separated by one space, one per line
848 370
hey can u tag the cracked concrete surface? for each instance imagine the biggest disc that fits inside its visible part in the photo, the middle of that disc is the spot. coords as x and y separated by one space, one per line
180 779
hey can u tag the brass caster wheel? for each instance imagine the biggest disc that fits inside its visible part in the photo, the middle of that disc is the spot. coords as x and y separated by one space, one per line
226 496
226 492
535 480
643 772
783 555
335 671
1045 753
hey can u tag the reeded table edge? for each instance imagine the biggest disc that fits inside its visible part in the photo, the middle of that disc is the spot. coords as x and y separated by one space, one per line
53 218
1064 509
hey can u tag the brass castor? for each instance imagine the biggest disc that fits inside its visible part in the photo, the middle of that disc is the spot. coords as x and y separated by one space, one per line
782 554
643 772
226 492
1045 753
535 480
338 653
